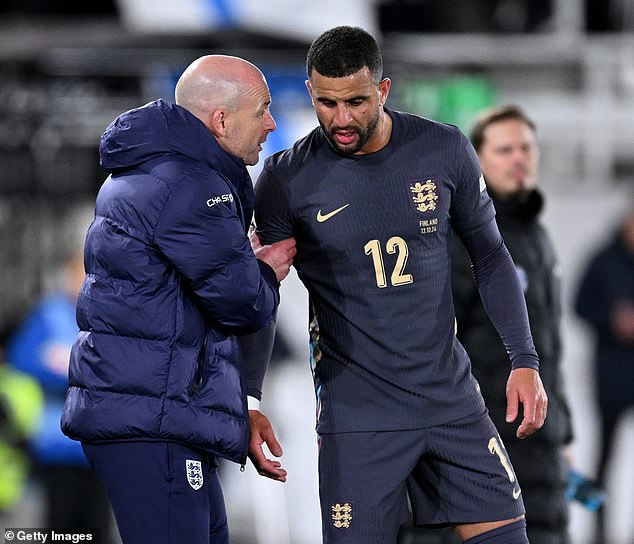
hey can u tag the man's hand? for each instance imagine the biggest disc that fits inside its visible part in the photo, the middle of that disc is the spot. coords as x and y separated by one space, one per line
525 386
279 256
261 432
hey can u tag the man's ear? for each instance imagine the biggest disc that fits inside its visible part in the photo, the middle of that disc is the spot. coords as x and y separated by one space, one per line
384 89
310 91
309 87
218 123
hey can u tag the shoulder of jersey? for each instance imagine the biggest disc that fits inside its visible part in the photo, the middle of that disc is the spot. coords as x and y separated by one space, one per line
297 152
419 125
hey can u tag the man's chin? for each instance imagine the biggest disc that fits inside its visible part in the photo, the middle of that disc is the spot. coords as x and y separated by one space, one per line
251 161
348 149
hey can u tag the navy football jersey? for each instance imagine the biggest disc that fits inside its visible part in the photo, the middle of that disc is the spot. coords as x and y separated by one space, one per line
373 249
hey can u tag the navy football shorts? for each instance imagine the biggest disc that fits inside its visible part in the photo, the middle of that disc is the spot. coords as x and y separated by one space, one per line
453 473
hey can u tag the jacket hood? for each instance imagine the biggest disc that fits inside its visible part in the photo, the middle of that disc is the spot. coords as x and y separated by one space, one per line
157 128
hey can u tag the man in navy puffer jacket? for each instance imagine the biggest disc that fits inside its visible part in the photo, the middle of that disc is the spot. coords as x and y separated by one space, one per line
155 387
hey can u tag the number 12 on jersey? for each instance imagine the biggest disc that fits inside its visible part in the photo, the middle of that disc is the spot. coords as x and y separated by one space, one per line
397 245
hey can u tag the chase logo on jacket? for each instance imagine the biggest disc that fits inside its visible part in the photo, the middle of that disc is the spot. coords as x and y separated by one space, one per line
219 199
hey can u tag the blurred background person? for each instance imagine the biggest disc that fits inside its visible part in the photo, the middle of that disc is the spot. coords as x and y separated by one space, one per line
505 140
40 347
21 406
605 301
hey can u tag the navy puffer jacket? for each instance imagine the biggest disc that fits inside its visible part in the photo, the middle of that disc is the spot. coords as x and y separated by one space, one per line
171 278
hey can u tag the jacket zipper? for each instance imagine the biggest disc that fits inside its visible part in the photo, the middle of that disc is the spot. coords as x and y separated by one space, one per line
198 375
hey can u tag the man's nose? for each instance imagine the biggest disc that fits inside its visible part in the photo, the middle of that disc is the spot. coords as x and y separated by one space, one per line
270 124
342 115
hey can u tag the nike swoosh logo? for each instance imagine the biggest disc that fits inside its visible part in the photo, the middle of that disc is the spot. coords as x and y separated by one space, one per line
321 218
516 493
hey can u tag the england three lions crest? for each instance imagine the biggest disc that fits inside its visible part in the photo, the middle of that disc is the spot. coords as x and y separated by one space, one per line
424 195
341 514
194 471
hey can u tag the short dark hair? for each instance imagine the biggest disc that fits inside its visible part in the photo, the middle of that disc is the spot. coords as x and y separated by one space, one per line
343 51
494 115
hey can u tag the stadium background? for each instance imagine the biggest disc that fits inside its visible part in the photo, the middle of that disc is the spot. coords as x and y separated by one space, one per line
68 67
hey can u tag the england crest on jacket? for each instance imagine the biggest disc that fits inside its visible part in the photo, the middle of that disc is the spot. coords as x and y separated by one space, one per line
194 471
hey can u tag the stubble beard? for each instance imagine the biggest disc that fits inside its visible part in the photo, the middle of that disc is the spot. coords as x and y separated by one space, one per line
364 136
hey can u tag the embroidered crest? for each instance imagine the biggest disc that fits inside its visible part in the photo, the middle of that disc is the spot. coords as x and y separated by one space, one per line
194 471
341 514
424 195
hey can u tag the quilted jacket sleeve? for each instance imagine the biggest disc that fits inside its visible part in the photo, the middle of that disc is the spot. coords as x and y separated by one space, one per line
201 232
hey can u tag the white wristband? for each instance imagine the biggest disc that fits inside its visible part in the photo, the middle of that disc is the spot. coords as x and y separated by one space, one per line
253 403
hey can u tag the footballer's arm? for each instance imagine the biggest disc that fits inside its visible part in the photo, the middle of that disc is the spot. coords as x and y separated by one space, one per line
256 351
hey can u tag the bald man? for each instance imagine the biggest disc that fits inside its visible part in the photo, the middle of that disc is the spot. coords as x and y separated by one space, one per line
156 389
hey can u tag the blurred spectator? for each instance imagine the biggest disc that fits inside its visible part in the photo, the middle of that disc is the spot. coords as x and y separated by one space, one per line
20 411
40 347
605 301
506 143
505 140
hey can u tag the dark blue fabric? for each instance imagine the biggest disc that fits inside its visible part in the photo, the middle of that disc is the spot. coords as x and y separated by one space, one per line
171 278
451 478
607 282
383 350
495 275
151 494
513 533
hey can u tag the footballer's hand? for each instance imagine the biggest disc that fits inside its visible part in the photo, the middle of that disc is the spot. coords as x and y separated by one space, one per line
261 432
525 387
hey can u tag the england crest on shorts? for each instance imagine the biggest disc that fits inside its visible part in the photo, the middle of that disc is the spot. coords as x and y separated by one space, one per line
194 471
341 513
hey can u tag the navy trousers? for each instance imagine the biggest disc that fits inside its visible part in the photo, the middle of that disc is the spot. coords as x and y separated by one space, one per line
161 492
